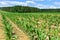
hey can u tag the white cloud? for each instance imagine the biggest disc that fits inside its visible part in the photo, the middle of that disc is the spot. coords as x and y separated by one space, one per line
26 3
42 6
30 2
52 6
3 3
40 0
57 3
16 3
36 0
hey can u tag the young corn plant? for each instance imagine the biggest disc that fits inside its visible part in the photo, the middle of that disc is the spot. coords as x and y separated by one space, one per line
8 29
50 32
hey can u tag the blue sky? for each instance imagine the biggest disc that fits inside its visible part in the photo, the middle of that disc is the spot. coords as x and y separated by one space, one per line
32 3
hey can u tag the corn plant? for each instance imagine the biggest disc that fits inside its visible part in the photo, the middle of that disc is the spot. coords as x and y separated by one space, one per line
8 29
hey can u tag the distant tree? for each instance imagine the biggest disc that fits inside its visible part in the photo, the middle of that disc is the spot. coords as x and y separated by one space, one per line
26 9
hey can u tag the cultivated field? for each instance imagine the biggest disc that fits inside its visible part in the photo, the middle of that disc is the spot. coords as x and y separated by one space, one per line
29 26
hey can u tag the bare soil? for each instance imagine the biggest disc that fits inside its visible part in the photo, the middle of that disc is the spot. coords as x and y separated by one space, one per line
20 34
2 33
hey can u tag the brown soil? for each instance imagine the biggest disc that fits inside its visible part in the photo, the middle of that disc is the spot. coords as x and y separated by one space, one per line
20 34
2 34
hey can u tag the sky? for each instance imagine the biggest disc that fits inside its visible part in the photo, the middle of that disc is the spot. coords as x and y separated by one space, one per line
33 3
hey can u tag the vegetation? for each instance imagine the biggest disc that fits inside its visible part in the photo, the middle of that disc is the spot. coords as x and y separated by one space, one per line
38 26
8 29
20 9
27 9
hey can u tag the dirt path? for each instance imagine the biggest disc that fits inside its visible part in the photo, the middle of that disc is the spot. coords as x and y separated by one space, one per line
20 34
2 34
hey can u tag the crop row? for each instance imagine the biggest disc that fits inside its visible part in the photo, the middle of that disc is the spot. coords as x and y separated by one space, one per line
8 29
39 27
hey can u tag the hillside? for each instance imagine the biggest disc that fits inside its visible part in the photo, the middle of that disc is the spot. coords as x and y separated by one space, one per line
27 9
20 9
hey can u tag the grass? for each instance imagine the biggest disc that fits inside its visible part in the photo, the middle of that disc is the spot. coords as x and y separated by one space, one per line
39 26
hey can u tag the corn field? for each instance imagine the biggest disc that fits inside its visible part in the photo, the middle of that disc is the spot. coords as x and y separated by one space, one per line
38 26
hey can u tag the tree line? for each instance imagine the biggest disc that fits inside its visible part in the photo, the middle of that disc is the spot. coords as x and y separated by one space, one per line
23 9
